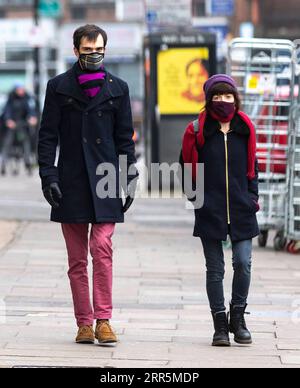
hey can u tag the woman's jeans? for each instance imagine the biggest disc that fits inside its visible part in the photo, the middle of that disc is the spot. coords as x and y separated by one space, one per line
213 251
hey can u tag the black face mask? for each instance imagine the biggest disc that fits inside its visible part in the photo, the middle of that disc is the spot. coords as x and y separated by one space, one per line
91 62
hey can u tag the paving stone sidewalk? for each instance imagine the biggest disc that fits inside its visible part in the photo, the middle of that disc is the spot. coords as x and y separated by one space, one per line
161 313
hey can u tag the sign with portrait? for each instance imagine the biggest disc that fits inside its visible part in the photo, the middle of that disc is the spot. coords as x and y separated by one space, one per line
182 73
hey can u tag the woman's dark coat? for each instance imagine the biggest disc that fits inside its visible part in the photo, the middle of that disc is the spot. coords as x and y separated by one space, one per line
88 132
211 220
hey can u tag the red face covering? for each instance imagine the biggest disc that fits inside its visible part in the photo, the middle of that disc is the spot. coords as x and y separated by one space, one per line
222 111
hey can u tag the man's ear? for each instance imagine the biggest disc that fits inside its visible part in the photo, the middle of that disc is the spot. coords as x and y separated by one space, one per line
76 52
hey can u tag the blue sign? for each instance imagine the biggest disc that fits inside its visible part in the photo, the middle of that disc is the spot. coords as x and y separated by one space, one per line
50 8
222 7
151 17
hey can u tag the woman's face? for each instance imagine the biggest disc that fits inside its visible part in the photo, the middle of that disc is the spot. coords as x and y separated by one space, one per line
227 97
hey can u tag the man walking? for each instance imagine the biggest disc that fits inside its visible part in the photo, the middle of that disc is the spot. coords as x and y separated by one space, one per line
87 113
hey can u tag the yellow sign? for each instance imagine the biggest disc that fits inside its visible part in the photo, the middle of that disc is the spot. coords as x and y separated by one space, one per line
182 73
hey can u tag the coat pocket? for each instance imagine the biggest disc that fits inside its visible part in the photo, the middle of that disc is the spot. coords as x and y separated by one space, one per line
254 205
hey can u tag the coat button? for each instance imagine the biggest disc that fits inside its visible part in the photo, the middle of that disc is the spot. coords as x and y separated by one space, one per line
86 113
111 102
98 141
85 140
100 113
70 100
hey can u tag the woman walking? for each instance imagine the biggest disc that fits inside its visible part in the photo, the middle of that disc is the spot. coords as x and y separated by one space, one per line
224 140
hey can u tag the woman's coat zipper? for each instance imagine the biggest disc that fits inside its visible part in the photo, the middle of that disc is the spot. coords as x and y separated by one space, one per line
227 178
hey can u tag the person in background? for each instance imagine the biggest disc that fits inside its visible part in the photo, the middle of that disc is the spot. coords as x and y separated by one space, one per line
18 116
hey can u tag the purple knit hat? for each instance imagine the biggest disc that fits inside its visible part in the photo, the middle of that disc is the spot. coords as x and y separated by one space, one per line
215 79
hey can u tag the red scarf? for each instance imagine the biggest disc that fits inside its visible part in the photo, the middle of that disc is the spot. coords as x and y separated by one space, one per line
190 151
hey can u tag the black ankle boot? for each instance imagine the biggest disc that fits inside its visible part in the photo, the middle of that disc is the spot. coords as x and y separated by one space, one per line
221 336
237 325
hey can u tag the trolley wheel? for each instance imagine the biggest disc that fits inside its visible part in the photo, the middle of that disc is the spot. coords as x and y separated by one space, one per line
279 242
263 238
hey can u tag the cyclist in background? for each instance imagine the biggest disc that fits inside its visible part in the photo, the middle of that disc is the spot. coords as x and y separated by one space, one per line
19 116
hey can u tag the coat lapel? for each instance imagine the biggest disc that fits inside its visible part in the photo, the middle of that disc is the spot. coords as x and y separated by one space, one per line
110 89
70 87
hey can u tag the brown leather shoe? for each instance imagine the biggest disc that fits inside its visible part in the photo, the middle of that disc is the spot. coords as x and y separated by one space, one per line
85 335
104 332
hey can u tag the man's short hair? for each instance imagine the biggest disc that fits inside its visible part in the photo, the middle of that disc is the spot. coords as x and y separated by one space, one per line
89 31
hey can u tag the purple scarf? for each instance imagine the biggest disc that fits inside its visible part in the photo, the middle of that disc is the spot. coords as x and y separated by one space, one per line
91 82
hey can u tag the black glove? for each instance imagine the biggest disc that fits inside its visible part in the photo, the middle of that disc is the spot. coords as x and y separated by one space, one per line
130 194
127 204
53 194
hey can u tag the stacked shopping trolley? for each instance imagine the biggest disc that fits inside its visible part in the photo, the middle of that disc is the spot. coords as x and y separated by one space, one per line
265 72
292 226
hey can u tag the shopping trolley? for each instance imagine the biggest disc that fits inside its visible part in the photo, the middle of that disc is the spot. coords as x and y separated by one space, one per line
264 71
292 226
